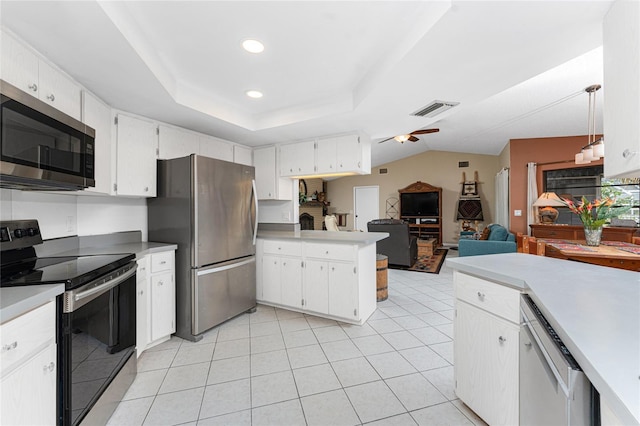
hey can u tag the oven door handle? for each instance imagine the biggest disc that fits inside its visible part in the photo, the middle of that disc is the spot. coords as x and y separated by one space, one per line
74 299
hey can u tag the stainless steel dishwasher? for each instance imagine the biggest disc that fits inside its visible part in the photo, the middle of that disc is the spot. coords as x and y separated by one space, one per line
553 388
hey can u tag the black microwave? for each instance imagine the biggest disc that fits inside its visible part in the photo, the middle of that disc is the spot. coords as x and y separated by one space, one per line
41 148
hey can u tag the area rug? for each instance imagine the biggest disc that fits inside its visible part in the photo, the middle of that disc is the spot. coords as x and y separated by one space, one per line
429 264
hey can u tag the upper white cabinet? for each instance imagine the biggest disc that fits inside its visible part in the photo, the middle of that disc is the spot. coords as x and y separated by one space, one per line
621 41
297 159
25 70
346 154
174 142
137 144
215 148
269 185
97 115
242 155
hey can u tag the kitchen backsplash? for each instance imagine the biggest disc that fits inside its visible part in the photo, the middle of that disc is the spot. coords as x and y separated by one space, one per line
63 215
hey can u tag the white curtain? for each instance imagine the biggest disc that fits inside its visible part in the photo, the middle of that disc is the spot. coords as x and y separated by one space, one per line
532 195
502 198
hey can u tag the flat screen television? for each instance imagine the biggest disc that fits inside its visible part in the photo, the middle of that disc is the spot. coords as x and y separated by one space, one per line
419 204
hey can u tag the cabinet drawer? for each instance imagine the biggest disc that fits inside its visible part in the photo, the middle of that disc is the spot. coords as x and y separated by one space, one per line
343 252
288 248
557 232
492 297
23 336
161 262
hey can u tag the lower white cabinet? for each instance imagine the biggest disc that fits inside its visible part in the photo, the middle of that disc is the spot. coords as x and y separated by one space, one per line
486 349
316 286
28 368
326 279
156 304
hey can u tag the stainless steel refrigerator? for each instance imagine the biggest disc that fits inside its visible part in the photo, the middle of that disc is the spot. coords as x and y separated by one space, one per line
208 208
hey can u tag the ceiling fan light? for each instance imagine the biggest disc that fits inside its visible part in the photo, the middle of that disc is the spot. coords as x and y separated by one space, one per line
402 138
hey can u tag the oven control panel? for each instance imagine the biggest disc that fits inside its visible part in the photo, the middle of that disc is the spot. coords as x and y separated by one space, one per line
15 234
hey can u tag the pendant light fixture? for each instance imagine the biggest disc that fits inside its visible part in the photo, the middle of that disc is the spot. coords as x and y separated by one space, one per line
594 149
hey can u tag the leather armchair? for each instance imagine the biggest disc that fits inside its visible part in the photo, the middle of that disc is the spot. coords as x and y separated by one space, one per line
400 247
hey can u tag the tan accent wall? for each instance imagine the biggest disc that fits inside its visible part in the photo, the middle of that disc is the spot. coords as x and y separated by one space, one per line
437 168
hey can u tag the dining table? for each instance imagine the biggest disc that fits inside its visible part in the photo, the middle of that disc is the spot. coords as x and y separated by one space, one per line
616 254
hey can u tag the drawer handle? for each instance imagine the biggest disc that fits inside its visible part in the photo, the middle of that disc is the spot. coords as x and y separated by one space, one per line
160 283
33 87
480 296
50 367
326 252
51 97
10 346
501 340
163 262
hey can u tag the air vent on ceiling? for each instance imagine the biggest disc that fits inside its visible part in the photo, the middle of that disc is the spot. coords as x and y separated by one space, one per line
435 108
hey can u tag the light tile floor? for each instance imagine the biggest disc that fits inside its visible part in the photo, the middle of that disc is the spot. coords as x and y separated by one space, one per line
278 367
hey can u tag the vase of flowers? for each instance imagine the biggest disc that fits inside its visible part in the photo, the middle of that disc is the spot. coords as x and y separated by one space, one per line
594 214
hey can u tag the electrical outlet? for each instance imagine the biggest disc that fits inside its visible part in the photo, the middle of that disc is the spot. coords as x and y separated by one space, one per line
517 212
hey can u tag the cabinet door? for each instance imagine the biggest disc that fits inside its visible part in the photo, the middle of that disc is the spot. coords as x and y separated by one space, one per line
242 155
621 41
59 91
137 142
297 159
29 393
271 279
349 153
315 286
291 278
264 160
162 306
343 290
486 364
98 116
326 155
142 306
215 148
19 65
176 143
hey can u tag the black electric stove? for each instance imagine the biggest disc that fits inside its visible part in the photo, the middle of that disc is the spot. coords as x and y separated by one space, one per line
96 320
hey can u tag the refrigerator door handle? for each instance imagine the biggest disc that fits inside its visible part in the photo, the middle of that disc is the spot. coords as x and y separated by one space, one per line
226 267
255 201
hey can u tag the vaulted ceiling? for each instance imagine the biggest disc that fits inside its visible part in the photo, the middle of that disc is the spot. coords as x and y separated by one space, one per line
517 68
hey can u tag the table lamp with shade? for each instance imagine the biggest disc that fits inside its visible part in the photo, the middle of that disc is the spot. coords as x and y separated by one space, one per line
546 203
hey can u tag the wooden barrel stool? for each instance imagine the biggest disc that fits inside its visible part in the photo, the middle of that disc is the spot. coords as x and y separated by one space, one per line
382 292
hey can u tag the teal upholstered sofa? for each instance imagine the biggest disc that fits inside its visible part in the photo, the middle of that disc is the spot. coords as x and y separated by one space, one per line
500 241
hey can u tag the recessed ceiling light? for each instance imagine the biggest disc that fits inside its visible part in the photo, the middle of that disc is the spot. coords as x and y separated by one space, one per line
253 46
254 94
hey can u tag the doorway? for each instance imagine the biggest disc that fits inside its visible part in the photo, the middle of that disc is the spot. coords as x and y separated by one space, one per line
366 206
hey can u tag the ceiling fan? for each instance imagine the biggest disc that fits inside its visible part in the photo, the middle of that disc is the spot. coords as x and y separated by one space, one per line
411 137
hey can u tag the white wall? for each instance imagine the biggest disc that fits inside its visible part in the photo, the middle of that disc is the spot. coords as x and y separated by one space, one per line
63 215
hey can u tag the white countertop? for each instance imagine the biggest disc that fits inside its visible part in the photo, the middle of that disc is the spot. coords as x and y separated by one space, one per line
594 309
361 238
15 301
140 249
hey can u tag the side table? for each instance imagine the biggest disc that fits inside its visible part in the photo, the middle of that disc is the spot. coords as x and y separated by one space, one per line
425 247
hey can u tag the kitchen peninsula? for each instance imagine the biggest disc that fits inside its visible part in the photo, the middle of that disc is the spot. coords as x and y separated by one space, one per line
328 274
595 310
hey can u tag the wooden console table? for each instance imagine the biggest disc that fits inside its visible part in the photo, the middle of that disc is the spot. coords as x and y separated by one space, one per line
575 232
603 255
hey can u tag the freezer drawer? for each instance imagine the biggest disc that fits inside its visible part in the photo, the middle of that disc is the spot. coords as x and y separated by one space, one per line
221 292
